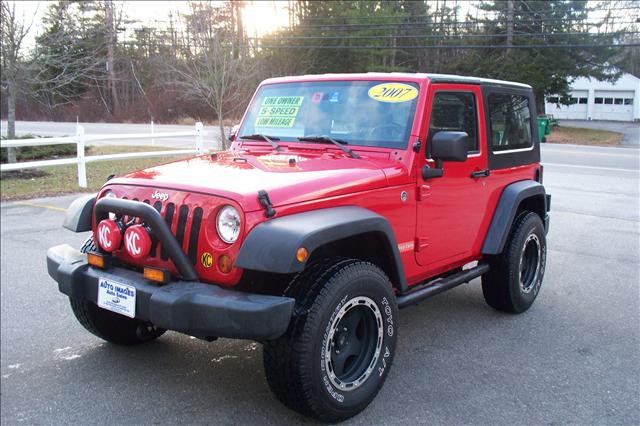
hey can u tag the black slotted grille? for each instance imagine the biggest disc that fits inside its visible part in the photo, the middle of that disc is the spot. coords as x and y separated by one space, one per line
182 223
168 218
154 240
195 233
185 223
180 231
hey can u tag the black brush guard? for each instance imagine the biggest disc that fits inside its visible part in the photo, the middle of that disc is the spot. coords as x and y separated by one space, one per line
184 305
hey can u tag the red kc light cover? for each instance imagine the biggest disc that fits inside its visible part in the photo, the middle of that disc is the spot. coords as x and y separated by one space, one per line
137 241
109 235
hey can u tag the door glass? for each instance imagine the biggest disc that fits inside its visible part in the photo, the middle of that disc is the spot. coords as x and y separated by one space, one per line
455 112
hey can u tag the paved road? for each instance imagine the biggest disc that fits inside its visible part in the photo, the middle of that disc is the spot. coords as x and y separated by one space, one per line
631 130
48 128
572 358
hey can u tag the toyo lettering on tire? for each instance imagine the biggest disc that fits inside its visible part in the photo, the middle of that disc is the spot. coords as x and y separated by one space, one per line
338 350
109 326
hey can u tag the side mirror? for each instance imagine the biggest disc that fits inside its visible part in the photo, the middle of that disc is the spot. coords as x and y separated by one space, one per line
450 146
234 131
446 146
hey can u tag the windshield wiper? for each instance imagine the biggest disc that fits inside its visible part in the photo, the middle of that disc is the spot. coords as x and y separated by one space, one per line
337 142
269 139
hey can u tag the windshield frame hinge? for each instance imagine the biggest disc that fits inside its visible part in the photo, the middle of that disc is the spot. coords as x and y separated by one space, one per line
417 145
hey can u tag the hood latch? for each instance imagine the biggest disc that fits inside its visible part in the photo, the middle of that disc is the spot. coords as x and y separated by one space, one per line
263 199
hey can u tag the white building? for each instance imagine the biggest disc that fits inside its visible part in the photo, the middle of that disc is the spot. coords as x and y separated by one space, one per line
600 100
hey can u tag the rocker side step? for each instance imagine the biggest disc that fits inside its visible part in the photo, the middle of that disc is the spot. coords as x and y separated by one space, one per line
438 286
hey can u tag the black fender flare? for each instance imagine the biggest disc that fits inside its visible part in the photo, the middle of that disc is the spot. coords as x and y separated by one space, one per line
79 213
506 210
272 245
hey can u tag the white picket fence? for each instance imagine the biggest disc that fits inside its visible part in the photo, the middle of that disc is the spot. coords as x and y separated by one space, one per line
80 140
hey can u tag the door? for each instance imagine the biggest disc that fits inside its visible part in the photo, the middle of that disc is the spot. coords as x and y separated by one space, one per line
450 209
613 105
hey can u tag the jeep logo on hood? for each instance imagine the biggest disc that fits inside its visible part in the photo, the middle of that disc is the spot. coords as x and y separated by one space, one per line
162 196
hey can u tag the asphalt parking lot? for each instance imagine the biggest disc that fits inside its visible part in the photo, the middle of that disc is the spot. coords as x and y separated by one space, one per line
574 357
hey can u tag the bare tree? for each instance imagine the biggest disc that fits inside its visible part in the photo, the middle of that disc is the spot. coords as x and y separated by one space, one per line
215 77
110 39
67 62
12 31
210 71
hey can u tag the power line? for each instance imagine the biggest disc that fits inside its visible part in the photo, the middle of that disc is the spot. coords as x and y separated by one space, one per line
437 36
472 46
486 13
600 21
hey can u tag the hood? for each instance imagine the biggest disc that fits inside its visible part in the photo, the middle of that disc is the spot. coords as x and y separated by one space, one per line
288 177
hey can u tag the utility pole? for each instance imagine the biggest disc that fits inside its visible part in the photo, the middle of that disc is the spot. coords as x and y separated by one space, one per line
509 25
111 73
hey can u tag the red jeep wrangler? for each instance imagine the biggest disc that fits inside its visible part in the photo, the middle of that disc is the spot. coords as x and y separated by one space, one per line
342 199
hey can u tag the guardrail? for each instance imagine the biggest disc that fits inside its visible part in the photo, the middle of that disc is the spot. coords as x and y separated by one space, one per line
80 140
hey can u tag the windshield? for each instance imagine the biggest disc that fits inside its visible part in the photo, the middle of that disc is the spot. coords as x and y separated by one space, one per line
367 113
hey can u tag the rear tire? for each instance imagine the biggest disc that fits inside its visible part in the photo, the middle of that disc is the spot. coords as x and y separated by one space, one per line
338 350
109 326
515 276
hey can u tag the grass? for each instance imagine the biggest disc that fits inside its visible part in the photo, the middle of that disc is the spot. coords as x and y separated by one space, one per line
582 136
47 181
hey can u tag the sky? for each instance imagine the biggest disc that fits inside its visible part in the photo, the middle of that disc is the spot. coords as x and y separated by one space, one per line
260 17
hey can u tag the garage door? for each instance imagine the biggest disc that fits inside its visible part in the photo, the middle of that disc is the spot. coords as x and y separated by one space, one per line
577 110
613 105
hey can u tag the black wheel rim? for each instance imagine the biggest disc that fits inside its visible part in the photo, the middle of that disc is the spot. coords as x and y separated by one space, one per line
530 263
354 343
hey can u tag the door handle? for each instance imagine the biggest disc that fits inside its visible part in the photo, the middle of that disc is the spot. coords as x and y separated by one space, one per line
480 173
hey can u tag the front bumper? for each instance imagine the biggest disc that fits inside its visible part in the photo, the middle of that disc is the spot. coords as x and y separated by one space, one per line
190 307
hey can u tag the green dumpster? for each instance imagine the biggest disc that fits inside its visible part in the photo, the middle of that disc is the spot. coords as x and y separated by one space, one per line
544 128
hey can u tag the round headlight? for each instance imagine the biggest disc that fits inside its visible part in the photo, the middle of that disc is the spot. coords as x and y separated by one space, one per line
228 224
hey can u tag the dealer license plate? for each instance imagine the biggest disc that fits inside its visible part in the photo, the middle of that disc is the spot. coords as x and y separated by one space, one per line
117 297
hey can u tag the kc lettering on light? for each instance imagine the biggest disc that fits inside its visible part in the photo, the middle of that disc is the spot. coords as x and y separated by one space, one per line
104 235
131 240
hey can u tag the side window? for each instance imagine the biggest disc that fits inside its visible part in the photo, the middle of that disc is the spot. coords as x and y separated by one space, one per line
510 121
455 112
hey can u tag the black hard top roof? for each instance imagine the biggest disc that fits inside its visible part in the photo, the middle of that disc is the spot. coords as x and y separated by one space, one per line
450 78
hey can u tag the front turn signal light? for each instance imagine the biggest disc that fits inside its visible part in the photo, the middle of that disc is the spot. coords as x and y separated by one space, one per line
224 264
97 260
156 274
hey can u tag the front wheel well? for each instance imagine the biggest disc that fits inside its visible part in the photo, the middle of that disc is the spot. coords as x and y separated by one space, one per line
371 247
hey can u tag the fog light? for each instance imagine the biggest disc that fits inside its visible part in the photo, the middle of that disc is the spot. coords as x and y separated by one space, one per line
156 274
137 241
224 264
109 235
302 254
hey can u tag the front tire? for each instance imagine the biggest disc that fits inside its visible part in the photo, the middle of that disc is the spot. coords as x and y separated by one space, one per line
338 350
107 325
515 276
